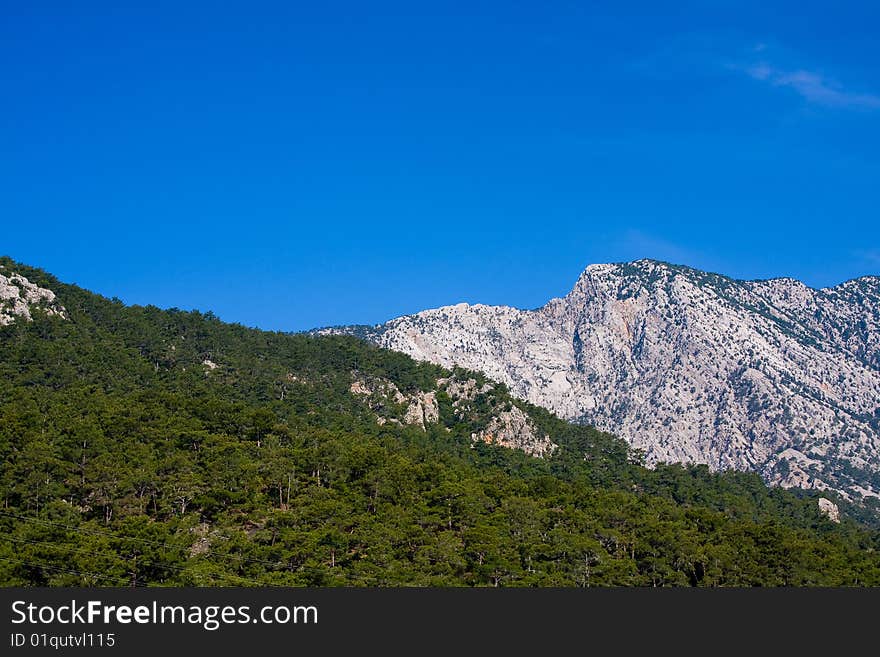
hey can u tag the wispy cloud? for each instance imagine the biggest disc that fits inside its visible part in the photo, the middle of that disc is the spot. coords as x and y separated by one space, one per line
708 56
813 87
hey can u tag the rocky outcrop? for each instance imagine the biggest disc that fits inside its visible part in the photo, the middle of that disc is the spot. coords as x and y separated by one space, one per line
516 430
505 424
829 509
422 409
385 398
19 299
770 376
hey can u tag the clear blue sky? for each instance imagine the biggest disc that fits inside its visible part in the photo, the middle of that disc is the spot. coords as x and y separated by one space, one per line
296 164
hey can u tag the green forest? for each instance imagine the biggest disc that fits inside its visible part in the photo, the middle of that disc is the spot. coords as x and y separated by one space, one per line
127 461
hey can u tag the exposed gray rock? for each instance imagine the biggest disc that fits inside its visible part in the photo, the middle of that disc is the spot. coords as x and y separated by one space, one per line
515 429
422 409
19 298
829 508
506 424
770 376
463 390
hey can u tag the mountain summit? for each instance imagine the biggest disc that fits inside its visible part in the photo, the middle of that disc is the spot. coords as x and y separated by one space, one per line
771 376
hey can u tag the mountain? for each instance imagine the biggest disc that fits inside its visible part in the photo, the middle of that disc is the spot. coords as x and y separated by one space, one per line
141 446
769 376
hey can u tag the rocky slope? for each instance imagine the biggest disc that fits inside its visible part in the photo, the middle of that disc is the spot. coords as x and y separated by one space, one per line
502 423
19 298
771 376
499 421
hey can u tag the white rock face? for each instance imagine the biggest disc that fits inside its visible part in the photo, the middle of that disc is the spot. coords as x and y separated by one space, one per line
422 409
509 427
19 297
830 509
770 376
515 429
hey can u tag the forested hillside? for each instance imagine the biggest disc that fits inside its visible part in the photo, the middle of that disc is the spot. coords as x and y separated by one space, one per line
158 447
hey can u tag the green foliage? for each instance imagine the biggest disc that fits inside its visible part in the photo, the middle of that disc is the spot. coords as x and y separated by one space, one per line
127 460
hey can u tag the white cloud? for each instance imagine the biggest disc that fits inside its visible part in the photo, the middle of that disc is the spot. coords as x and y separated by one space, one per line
814 87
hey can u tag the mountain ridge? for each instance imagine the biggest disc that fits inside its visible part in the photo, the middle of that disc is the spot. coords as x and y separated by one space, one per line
866 278
778 359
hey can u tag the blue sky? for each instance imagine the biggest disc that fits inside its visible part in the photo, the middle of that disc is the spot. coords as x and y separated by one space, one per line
290 165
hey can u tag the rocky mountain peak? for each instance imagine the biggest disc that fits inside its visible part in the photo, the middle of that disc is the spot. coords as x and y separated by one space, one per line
771 376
